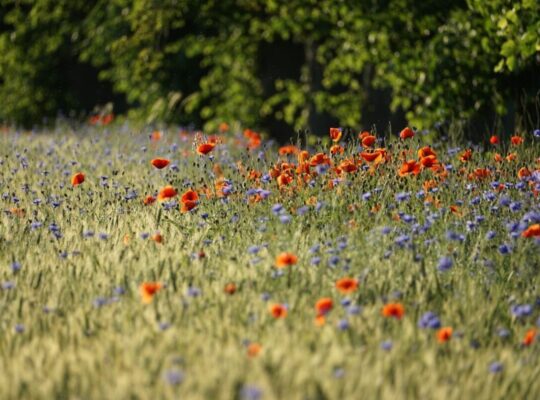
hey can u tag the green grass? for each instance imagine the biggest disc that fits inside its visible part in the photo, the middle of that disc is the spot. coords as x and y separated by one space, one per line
72 347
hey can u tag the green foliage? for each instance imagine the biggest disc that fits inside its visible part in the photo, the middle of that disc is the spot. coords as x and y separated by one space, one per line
199 61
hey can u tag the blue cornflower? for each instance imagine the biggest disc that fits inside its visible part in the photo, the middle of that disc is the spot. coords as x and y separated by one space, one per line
401 240
521 310
504 249
429 320
249 392
496 367
174 377
15 266
285 219
403 196
343 324
387 345
445 263
276 208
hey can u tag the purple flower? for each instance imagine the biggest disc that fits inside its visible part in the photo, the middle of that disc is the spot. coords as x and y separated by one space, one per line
496 367
174 377
285 219
445 263
521 310
343 324
249 392
429 320
19 328
276 208
504 249
536 133
15 266
403 196
387 345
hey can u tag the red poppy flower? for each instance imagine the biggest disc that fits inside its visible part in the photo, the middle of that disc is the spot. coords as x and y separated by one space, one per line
394 310
516 140
347 285
278 310
286 259
409 167
205 148
253 349
466 155
160 163
324 305
532 231
368 140
444 334
524 172
335 134
529 337
406 133
494 140
166 193
425 152
147 291
149 200
77 179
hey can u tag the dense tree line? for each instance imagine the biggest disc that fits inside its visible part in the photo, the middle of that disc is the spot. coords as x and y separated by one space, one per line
272 64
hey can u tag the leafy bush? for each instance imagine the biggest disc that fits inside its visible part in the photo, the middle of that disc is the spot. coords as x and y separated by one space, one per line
250 61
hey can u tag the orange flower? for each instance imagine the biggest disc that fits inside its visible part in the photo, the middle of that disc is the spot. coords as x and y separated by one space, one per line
368 140
320 320
481 173
348 166
188 206
278 310
230 288
286 259
370 156
223 127
347 285
336 149
516 140
497 157
395 310
157 237
166 193
160 163
289 149
303 156
530 335
406 133
511 157
319 158
323 306
409 167
532 231
205 148
253 349
148 290
190 195
494 140
335 134
426 151
444 334
77 179
284 179
466 155
523 173
429 161
149 200
155 136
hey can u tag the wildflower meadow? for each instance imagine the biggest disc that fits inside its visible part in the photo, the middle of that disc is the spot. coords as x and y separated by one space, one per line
141 263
